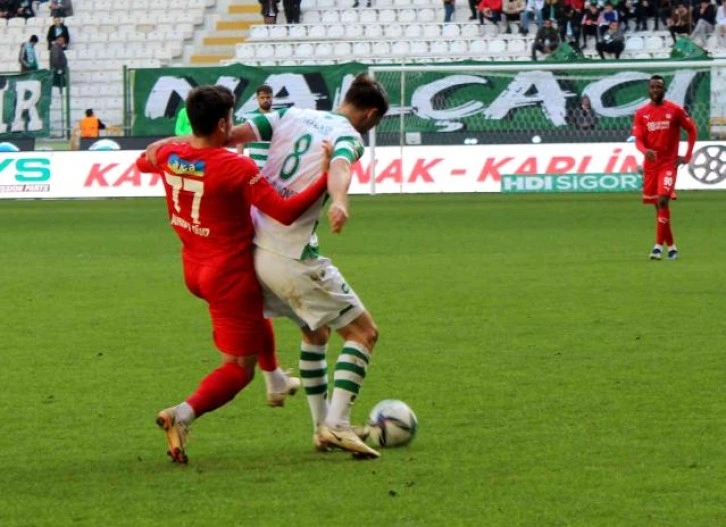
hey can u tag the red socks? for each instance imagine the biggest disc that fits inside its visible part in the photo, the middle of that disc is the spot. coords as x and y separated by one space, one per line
267 358
219 387
663 232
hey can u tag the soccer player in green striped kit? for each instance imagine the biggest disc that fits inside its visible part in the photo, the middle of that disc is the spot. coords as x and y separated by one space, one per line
258 150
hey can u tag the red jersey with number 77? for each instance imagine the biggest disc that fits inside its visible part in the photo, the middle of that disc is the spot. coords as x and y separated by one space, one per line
658 127
209 192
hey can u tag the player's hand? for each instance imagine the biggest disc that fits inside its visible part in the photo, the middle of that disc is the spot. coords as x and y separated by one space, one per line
327 153
337 216
650 155
682 160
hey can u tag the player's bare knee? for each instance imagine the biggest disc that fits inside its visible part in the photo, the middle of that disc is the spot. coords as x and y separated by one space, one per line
317 337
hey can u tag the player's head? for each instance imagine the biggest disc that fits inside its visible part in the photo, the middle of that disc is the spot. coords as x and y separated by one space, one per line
656 88
365 103
264 97
210 112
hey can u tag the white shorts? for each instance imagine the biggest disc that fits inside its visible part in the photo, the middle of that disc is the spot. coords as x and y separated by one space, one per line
312 292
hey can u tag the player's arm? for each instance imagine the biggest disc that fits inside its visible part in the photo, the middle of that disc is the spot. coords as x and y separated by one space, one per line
144 165
346 151
261 194
255 129
639 132
690 127
242 134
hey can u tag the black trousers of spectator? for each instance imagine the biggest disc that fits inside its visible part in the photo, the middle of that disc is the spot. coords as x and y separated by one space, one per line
472 6
589 31
680 30
616 48
292 11
660 12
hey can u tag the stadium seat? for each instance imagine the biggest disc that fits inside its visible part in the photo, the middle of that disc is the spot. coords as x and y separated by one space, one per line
373 31
342 49
381 48
264 51
259 32
336 31
304 50
478 48
439 48
470 30
324 50
432 30
349 16
653 43
459 47
355 31
362 49
393 31
368 16
284 50
419 48
317 32
330 17
426 15
413 31
310 17
634 44
400 48
497 46
450 30
297 31
517 46
278 32
407 16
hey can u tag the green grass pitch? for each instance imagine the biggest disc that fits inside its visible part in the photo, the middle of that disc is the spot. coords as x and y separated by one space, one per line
560 378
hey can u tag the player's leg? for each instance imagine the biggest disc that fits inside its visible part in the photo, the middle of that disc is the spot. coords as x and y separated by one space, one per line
650 196
238 333
278 383
666 188
318 295
314 374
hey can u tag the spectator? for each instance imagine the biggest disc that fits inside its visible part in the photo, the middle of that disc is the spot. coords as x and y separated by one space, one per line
448 10
547 39
607 15
90 125
58 29
59 63
269 9
721 25
472 7
589 23
626 12
61 8
24 9
705 16
640 13
533 9
292 11
552 9
680 21
512 10
28 58
663 10
613 41
569 21
583 117
357 4
6 8
490 10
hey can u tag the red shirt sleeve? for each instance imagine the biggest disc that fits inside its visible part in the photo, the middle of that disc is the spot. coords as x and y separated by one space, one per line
639 132
144 165
259 192
690 127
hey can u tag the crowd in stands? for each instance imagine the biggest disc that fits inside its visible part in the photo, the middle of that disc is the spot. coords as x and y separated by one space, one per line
27 8
578 22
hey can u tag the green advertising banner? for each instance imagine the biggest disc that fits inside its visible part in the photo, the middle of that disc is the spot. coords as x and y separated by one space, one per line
438 101
25 104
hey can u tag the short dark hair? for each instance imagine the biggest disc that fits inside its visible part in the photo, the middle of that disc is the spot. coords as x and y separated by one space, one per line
657 78
206 105
34 38
365 93
89 112
264 88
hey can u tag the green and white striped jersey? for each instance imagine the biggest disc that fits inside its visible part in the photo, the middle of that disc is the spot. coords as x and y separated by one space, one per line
295 160
257 150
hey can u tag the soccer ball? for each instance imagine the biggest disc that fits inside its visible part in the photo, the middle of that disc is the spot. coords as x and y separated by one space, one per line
392 423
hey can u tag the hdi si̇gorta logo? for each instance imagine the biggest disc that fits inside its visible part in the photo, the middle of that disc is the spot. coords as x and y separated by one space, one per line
614 182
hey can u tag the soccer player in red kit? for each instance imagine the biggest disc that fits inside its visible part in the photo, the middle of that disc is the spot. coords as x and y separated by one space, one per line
209 191
657 130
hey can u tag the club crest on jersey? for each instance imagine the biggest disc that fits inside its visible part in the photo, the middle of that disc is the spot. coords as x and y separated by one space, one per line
182 167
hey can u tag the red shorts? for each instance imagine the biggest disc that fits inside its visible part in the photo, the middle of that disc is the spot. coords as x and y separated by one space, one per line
235 305
659 179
